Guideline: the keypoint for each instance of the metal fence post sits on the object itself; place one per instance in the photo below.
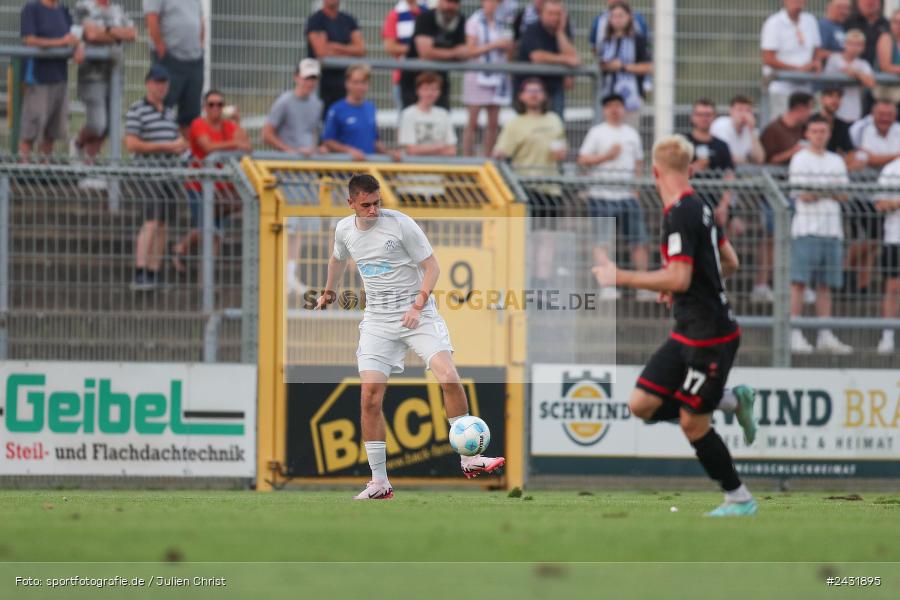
(4, 267)
(15, 102)
(116, 136)
(781, 283)
(249, 270)
(208, 265)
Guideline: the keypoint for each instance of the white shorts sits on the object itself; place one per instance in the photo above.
(383, 346)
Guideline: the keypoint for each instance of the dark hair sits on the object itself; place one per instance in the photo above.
(630, 31)
(428, 77)
(816, 119)
(799, 99)
(882, 100)
(704, 102)
(212, 92)
(740, 99)
(835, 89)
(612, 98)
(519, 106)
(362, 183)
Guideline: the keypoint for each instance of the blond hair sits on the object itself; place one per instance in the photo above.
(673, 153)
(360, 67)
(855, 35)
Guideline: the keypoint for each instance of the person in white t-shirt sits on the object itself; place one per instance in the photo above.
(849, 63)
(399, 271)
(888, 203)
(790, 41)
(613, 151)
(817, 233)
(425, 129)
(738, 130)
(879, 136)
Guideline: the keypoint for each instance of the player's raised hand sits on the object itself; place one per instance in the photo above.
(665, 298)
(605, 270)
(411, 317)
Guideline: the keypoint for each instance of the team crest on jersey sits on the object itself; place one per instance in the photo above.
(390, 245)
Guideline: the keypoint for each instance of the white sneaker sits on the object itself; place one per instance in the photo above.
(646, 296)
(828, 342)
(610, 293)
(809, 296)
(377, 489)
(92, 184)
(762, 294)
(886, 345)
(76, 154)
(799, 345)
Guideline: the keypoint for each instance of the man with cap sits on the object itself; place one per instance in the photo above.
(153, 137)
(293, 122)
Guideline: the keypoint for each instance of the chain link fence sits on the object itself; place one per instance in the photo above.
(68, 271)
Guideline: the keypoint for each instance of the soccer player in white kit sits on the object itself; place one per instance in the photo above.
(399, 272)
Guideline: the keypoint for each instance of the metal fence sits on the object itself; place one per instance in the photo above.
(759, 225)
(67, 263)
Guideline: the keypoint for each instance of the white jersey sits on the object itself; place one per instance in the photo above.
(387, 256)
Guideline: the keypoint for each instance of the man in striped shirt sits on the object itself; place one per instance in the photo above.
(152, 136)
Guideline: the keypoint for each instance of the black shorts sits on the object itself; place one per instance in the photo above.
(890, 260)
(865, 222)
(692, 375)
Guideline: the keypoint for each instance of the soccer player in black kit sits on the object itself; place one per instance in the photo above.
(685, 378)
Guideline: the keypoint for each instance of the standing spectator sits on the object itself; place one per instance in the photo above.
(546, 42)
(831, 26)
(425, 129)
(848, 62)
(888, 52)
(816, 234)
(104, 24)
(293, 122)
(782, 138)
(45, 105)
(712, 158)
(613, 150)
(599, 26)
(625, 61)
(869, 18)
(790, 42)
(488, 42)
(397, 33)
(152, 135)
(330, 32)
(210, 133)
(350, 125)
(888, 203)
(738, 130)
(176, 32)
(440, 34)
(879, 137)
(839, 142)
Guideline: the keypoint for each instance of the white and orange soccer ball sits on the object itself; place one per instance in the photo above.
(469, 436)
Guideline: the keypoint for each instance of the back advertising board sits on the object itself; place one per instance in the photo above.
(92, 418)
(812, 422)
(324, 437)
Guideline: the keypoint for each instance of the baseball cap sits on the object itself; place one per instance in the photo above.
(157, 73)
(309, 67)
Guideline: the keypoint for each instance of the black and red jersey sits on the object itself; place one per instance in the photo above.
(690, 234)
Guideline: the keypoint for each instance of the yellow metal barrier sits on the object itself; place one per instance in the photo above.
(478, 234)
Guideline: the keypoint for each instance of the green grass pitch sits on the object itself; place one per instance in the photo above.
(566, 544)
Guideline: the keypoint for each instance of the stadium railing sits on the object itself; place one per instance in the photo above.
(17, 56)
(67, 264)
(817, 81)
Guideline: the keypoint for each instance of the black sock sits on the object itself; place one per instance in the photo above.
(716, 460)
(668, 411)
(138, 270)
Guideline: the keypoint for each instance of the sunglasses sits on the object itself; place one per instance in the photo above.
(215, 104)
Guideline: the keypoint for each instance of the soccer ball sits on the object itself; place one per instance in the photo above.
(469, 436)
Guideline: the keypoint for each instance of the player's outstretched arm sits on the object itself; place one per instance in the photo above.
(729, 259)
(676, 277)
(336, 270)
(431, 272)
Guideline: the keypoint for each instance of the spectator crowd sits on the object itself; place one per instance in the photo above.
(817, 134)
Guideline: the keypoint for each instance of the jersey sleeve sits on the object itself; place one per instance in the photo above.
(681, 235)
(340, 246)
(414, 240)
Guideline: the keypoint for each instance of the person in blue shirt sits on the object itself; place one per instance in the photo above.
(350, 126)
(45, 105)
(831, 26)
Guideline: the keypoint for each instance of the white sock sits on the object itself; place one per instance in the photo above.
(453, 420)
(729, 402)
(377, 453)
(742, 494)
(888, 334)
